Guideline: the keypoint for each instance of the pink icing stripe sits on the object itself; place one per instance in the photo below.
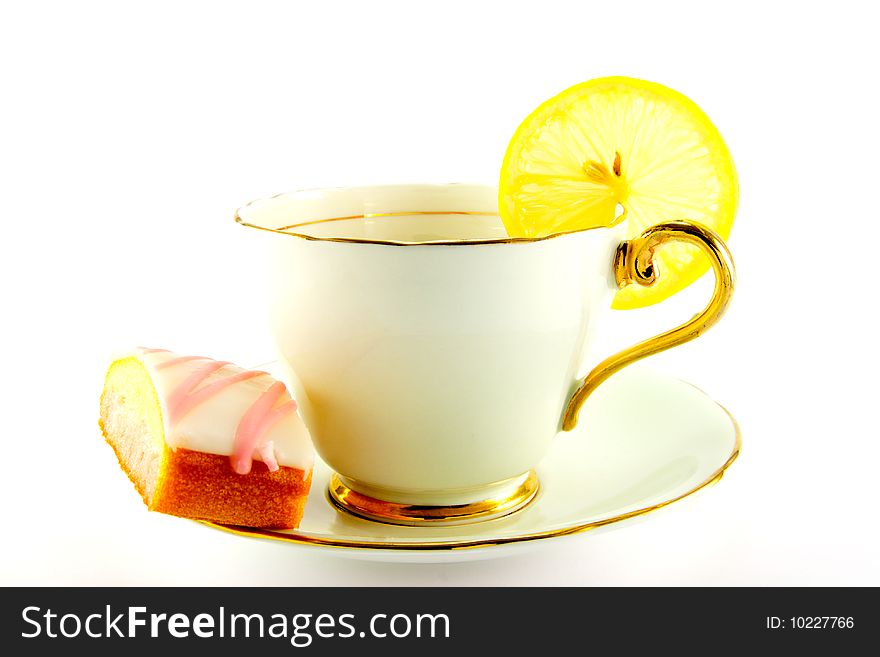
(171, 362)
(254, 426)
(267, 454)
(179, 401)
(267, 449)
(186, 397)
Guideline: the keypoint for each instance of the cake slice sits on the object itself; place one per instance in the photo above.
(208, 440)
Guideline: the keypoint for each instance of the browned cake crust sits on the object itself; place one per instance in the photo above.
(204, 486)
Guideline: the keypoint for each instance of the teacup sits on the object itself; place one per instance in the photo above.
(433, 357)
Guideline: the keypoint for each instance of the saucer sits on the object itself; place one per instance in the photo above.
(644, 441)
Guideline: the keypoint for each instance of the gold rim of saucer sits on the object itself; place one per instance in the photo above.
(470, 544)
(296, 537)
(348, 500)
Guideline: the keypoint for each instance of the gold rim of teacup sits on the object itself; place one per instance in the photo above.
(290, 229)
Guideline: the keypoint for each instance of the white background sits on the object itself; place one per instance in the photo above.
(130, 132)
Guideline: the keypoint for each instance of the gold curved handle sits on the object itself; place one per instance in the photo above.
(634, 263)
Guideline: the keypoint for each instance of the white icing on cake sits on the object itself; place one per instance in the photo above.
(211, 425)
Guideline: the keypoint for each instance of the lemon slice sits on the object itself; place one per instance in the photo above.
(614, 142)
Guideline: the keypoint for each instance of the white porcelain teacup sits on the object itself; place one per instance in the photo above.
(434, 358)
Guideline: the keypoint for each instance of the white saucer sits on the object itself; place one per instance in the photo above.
(644, 440)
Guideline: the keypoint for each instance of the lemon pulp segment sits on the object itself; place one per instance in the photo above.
(620, 142)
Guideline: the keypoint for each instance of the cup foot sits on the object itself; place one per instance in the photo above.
(499, 500)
